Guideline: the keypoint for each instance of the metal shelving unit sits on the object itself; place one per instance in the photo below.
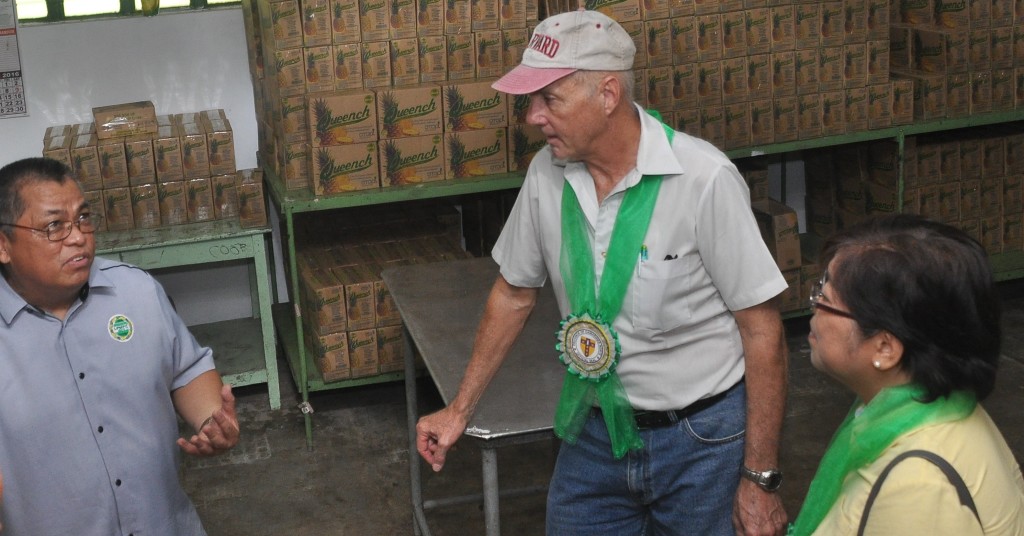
(289, 203)
(245, 349)
(288, 317)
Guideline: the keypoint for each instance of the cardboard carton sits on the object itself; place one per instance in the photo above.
(405, 61)
(485, 15)
(373, 20)
(118, 120)
(58, 148)
(390, 348)
(622, 11)
(783, 27)
(809, 116)
(759, 77)
(411, 160)
(805, 69)
(778, 224)
(360, 308)
(323, 298)
(830, 69)
(992, 234)
(786, 119)
(712, 125)
(473, 106)
(340, 118)
(461, 59)
(293, 166)
(117, 207)
(734, 34)
(331, 355)
(376, 64)
(344, 168)
(345, 23)
(758, 28)
(138, 153)
(85, 162)
(1012, 232)
(762, 124)
(145, 206)
(113, 165)
(289, 69)
(252, 203)
(199, 199)
(348, 68)
(488, 53)
(433, 58)
(458, 18)
(171, 197)
(970, 199)
(709, 83)
(362, 353)
(991, 193)
(856, 109)
(475, 153)
(658, 43)
(709, 37)
(225, 196)
(879, 106)
(1012, 201)
(807, 20)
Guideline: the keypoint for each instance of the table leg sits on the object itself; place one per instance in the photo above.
(419, 519)
(492, 522)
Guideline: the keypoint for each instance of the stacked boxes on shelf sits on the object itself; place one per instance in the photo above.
(972, 178)
(351, 326)
(140, 170)
(358, 94)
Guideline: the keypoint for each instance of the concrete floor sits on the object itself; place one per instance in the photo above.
(354, 481)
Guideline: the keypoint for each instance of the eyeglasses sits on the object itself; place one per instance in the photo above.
(817, 293)
(59, 230)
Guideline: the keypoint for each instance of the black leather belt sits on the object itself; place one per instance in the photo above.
(647, 419)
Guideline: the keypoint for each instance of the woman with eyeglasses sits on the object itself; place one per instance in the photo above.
(907, 316)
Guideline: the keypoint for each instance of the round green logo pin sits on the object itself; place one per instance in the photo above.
(120, 328)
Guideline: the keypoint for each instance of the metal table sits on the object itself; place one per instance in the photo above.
(441, 306)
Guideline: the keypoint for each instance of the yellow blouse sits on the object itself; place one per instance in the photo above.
(916, 498)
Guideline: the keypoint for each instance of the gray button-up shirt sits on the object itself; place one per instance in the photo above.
(87, 426)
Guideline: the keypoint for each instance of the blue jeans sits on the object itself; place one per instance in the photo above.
(683, 481)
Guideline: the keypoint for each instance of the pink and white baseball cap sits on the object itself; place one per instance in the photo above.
(565, 43)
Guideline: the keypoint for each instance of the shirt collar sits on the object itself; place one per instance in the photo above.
(11, 303)
(654, 157)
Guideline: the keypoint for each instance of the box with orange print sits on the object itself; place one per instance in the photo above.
(475, 153)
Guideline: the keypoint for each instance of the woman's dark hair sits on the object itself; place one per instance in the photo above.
(931, 286)
(16, 174)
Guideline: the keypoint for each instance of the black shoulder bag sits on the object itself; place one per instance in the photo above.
(940, 462)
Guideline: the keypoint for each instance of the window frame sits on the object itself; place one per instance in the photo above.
(55, 11)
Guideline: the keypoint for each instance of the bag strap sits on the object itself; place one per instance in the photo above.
(951, 474)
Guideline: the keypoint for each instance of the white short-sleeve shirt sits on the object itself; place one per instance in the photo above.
(705, 258)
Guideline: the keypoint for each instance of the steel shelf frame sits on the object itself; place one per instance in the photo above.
(239, 361)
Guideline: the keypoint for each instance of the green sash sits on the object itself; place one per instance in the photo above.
(588, 345)
(861, 439)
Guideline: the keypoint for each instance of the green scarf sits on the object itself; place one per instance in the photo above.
(861, 439)
(592, 315)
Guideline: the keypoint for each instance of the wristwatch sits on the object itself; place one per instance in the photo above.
(769, 480)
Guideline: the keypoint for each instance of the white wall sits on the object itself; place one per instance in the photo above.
(183, 62)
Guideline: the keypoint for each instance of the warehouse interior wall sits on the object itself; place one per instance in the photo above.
(183, 62)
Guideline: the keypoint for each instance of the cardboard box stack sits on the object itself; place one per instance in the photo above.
(141, 170)
(357, 94)
(351, 326)
(971, 178)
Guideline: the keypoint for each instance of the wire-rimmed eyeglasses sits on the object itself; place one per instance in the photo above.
(817, 293)
(59, 230)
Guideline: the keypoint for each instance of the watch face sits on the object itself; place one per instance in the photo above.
(772, 480)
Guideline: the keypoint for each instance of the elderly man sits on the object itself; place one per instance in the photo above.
(673, 344)
(94, 366)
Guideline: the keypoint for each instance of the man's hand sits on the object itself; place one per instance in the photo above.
(436, 433)
(757, 512)
(218, 433)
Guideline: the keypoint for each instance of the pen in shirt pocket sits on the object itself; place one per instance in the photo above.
(643, 253)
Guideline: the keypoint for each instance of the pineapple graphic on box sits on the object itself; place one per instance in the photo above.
(396, 16)
(312, 76)
(450, 14)
(459, 117)
(215, 156)
(327, 132)
(394, 125)
(338, 22)
(423, 17)
(652, 42)
(133, 164)
(106, 171)
(398, 172)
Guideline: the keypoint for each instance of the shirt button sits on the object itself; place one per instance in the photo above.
(81, 375)
(117, 482)
(604, 254)
(100, 429)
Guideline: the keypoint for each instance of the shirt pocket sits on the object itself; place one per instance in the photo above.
(660, 295)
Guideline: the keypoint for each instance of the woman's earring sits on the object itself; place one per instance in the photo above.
(878, 365)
